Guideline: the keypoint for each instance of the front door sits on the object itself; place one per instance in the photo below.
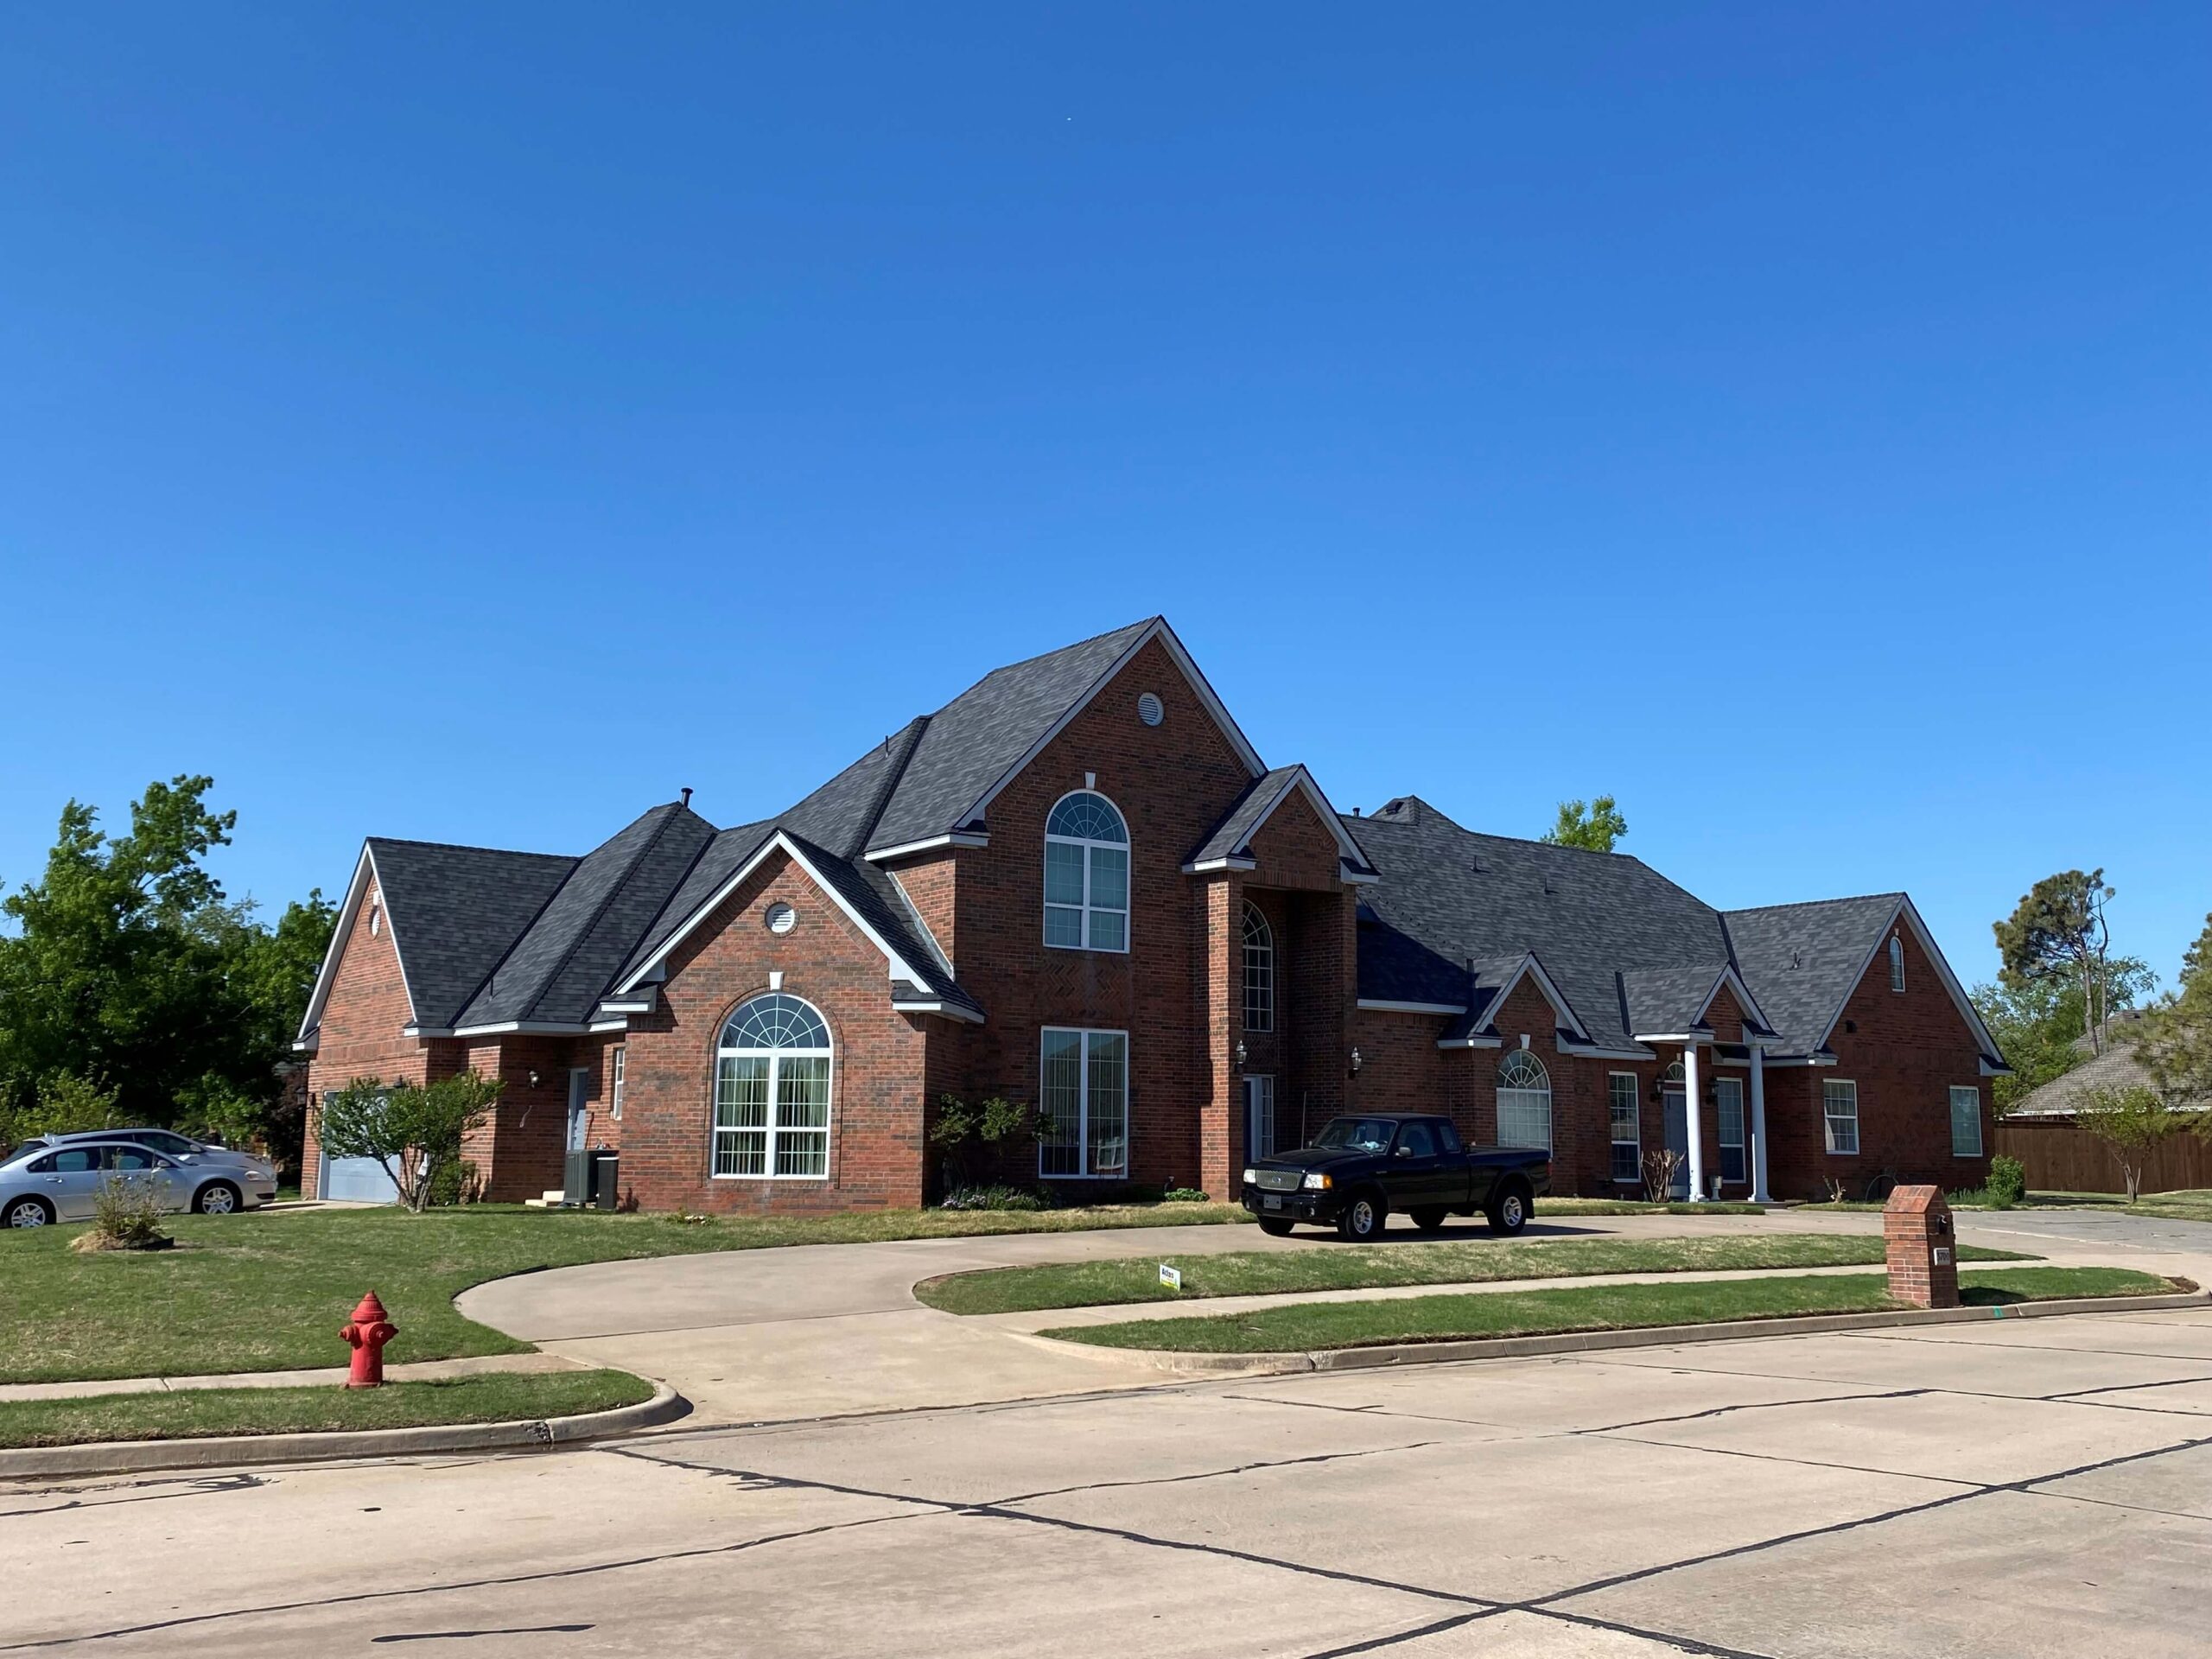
(1259, 1117)
(1678, 1137)
(579, 1107)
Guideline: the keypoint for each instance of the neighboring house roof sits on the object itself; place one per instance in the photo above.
(2120, 1066)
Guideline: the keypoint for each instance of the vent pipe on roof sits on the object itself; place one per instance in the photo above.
(687, 794)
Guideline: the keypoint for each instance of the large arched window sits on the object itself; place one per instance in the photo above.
(771, 1091)
(1259, 970)
(1086, 874)
(1524, 1101)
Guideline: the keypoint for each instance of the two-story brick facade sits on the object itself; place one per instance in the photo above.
(1078, 886)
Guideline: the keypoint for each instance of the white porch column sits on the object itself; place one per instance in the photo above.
(1693, 1106)
(1758, 1126)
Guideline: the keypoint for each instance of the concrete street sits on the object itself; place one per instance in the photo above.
(2002, 1488)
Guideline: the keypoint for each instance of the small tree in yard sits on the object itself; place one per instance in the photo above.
(414, 1129)
(2132, 1122)
(1662, 1168)
(964, 1131)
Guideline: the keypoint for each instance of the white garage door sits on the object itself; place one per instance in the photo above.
(362, 1181)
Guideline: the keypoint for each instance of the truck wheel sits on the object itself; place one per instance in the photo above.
(1508, 1211)
(1362, 1221)
(1429, 1217)
(1275, 1227)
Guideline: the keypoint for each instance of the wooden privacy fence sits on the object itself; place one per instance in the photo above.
(2061, 1158)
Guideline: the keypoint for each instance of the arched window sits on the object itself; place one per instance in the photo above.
(771, 1091)
(1086, 874)
(1524, 1101)
(1897, 962)
(1259, 970)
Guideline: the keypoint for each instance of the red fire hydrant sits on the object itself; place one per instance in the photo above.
(367, 1332)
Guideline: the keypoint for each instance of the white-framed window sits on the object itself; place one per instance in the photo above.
(1728, 1104)
(1259, 970)
(771, 1092)
(1897, 962)
(1086, 874)
(1621, 1103)
(1966, 1121)
(615, 1056)
(1083, 1097)
(1840, 1108)
(1524, 1101)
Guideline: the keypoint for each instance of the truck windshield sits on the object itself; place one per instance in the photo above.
(1361, 1134)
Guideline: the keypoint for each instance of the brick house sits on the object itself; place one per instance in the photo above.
(1079, 885)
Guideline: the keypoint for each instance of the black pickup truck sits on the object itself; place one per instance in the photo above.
(1359, 1169)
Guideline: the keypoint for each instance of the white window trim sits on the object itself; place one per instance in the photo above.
(617, 1064)
(1635, 1097)
(1083, 1103)
(1897, 964)
(1127, 849)
(1827, 1134)
(1980, 1144)
(1551, 1121)
(1742, 1128)
(1267, 945)
(774, 1057)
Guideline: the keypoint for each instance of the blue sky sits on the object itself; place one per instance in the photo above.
(475, 424)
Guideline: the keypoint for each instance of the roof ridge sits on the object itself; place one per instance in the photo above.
(909, 740)
(1072, 645)
(1808, 904)
(614, 888)
(521, 933)
(466, 847)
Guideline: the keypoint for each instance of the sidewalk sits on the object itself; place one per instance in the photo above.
(325, 1377)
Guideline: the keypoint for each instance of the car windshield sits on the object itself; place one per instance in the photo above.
(1358, 1133)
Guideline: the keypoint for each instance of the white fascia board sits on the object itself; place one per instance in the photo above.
(1211, 866)
(922, 922)
(900, 969)
(1470, 1042)
(598, 1026)
(1992, 1068)
(302, 1046)
(1553, 994)
(1610, 1054)
(1744, 1001)
(1687, 1039)
(1385, 1005)
(626, 1005)
(937, 1006)
(1773, 1062)
(515, 1028)
(1157, 630)
(956, 838)
(364, 872)
(1358, 878)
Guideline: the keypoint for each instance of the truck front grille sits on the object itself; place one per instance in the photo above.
(1278, 1180)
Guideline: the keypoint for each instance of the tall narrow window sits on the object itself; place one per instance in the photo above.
(1840, 1108)
(1628, 1132)
(1259, 970)
(1728, 1096)
(614, 1059)
(1084, 1100)
(771, 1092)
(1897, 962)
(1966, 1121)
(1524, 1101)
(1086, 875)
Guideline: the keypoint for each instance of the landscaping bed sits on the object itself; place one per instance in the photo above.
(267, 1292)
(1260, 1273)
(1308, 1326)
(198, 1414)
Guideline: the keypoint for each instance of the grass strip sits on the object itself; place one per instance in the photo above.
(196, 1414)
(1311, 1325)
(267, 1292)
(1478, 1261)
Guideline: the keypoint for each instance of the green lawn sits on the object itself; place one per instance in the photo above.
(195, 1413)
(1260, 1272)
(267, 1292)
(1312, 1326)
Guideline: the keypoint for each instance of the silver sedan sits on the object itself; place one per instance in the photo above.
(43, 1185)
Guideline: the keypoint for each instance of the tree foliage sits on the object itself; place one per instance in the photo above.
(2038, 1022)
(965, 1132)
(2174, 1038)
(127, 974)
(1594, 826)
(2058, 931)
(2132, 1122)
(414, 1130)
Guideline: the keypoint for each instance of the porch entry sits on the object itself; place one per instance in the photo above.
(1675, 1101)
(1259, 1117)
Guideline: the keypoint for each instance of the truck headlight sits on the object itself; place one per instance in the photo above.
(1251, 1178)
(1316, 1180)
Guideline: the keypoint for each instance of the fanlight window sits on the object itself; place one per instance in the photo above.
(1259, 971)
(1524, 1101)
(771, 1091)
(1086, 875)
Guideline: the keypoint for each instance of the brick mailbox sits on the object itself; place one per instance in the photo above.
(1924, 1256)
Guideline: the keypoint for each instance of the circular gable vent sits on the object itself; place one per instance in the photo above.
(781, 919)
(1150, 709)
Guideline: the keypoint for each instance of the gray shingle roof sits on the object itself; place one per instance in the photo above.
(1668, 998)
(1802, 961)
(1245, 818)
(455, 911)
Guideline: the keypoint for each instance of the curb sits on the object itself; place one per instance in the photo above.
(552, 1433)
(1383, 1356)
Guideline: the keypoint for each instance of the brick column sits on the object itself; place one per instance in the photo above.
(1221, 964)
(1923, 1255)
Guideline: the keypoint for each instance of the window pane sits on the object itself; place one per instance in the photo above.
(1063, 873)
(1110, 1103)
(1109, 878)
(1966, 1123)
(1524, 1117)
(1622, 1110)
(1109, 931)
(741, 1115)
(1839, 1104)
(1063, 927)
(1060, 1104)
(1730, 1093)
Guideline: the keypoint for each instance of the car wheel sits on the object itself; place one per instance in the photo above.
(1362, 1221)
(1427, 1219)
(1275, 1227)
(29, 1212)
(1508, 1211)
(216, 1198)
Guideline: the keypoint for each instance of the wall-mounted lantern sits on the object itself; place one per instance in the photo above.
(1354, 1061)
(1240, 1055)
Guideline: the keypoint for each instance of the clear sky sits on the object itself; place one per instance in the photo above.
(474, 423)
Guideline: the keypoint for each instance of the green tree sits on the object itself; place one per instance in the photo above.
(2133, 1122)
(2057, 932)
(2174, 1038)
(2038, 1022)
(414, 1130)
(1594, 826)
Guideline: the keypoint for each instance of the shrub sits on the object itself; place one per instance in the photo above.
(126, 1216)
(965, 1134)
(2008, 1182)
(1184, 1195)
(991, 1198)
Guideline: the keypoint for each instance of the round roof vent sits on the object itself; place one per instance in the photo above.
(1150, 709)
(781, 918)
